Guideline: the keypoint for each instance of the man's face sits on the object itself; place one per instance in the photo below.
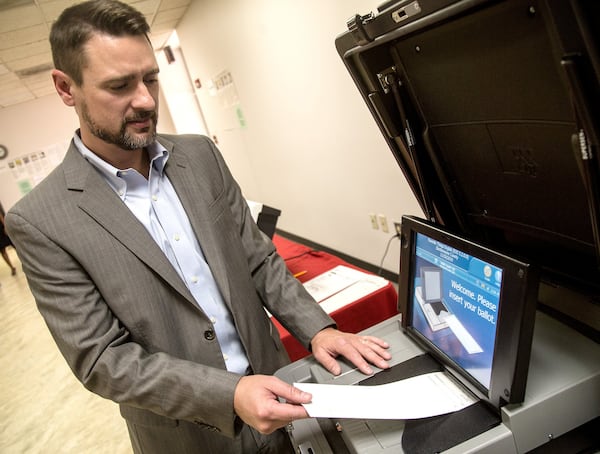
(117, 102)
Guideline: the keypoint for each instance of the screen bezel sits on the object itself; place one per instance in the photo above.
(516, 314)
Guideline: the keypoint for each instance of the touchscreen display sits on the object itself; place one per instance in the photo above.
(455, 304)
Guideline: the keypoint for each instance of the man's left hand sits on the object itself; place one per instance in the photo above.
(330, 343)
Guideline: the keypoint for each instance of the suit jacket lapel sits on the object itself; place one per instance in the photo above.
(101, 203)
(197, 207)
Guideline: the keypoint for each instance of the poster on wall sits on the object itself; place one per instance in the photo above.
(27, 170)
(222, 87)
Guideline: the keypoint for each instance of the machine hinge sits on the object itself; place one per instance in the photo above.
(356, 26)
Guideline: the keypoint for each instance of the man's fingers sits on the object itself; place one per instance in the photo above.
(256, 402)
(328, 362)
(375, 341)
(375, 351)
(347, 350)
(295, 395)
(359, 350)
(358, 353)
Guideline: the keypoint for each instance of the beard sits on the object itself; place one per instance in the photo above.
(122, 138)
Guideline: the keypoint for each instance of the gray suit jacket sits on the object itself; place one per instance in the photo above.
(120, 314)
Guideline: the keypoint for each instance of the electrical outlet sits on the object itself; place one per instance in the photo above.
(374, 223)
(398, 227)
(383, 223)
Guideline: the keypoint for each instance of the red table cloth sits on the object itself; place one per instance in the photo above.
(354, 317)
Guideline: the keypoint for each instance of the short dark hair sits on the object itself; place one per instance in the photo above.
(77, 24)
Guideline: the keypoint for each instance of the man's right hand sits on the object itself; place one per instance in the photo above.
(256, 402)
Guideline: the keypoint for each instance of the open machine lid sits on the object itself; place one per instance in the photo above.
(491, 110)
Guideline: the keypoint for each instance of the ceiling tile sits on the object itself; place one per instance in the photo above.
(170, 4)
(52, 9)
(20, 17)
(33, 62)
(169, 15)
(165, 26)
(7, 79)
(146, 7)
(25, 50)
(159, 38)
(24, 47)
(40, 85)
(16, 97)
(23, 36)
(14, 92)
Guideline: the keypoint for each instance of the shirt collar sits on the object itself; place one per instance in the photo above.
(156, 152)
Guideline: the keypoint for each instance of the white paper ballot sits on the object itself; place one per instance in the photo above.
(365, 286)
(416, 397)
(332, 281)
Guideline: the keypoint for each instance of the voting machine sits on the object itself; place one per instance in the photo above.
(492, 110)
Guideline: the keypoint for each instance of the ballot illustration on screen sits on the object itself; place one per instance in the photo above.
(455, 304)
(429, 297)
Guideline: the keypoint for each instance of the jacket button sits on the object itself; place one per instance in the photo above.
(209, 334)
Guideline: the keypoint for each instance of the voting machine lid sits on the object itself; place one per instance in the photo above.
(491, 109)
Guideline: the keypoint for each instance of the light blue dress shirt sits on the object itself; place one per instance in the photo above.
(156, 205)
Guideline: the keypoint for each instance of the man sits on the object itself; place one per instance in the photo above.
(147, 267)
(5, 242)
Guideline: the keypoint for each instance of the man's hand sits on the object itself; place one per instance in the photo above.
(330, 343)
(255, 401)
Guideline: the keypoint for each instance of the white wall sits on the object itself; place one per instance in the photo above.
(309, 145)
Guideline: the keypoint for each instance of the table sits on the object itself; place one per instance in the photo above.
(307, 263)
